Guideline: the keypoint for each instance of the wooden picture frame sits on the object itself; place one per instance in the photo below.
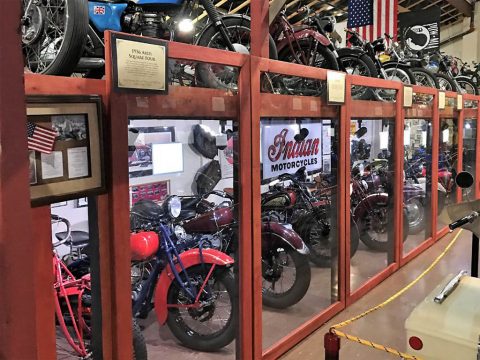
(75, 167)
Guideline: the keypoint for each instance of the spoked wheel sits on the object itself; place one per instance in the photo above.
(211, 326)
(416, 215)
(425, 78)
(373, 228)
(466, 85)
(399, 74)
(446, 83)
(53, 35)
(286, 277)
(221, 76)
(306, 52)
(363, 66)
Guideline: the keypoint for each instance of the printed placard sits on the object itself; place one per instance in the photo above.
(407, 96)
(441, 100)
(139, 64)
(459, 102)
(336, 87)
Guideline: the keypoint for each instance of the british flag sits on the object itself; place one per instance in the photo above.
(99, 10)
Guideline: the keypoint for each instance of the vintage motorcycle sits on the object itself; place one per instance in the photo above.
(193, 289)
(289, 200)
(285, 269)
(73, 302)
(60, 37)
(371, 212)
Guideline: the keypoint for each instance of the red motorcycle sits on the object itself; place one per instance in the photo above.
(285, 267)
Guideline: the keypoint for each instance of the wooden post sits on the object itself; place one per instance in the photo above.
(259, 34)
(23, 275)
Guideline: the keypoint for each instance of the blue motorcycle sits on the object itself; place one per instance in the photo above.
(61, 37)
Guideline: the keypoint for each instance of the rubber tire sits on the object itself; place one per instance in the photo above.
(299, 288)
(304, 228)
(464, 79)
(328, 55)
(380, 245)
(139, 345)
(413, 230)
(202, 343)
(404, 68)
(203, 71)
(426, 73)
(368, 62)
(74, 41)
(449, 80)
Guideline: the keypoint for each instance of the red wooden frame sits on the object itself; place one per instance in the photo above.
(31, 332)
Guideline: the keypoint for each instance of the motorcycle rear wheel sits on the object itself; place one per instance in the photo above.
(53, 40)
(445, 82)
(301, 278)
(416, 216)
(467, 85)
(226, 77)
(425, 78)
(180, 320)
(359, 65)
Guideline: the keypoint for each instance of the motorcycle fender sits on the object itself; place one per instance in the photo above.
(441, 188)
(369, 201)
(350, 52)
(305, 34)
(211, 24)
(274, 233)
(189, 259)
(391, 64)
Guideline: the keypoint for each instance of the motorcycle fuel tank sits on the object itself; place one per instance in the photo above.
(143, 245)
(210, 222)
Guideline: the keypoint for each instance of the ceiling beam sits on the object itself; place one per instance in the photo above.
(463, 6)
(433, 4)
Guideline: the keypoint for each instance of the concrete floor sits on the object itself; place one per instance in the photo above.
(386, 325)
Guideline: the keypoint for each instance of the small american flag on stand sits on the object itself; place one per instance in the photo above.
(40, 138)
(373, 18)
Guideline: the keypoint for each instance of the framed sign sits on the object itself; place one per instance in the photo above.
(459, 102)
(74, 166)
(336, 90)
(155, 191)
(139, 64)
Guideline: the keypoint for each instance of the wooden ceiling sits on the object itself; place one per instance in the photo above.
(453, 11)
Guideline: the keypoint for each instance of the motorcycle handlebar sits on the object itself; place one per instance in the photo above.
(58, 219)
(464, 220)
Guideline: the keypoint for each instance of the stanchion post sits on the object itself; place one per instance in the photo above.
(331, 344)
(475, 250)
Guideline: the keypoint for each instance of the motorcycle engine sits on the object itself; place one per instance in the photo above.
(211, 241)
(138, 272)
(147, 24)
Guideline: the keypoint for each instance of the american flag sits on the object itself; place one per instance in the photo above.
(40, 139)
(373, 18)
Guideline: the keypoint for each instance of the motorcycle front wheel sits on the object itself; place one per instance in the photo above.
(221, 76)
(467, 85)
(445, 83)
(54, 35)
(416, 216)
(398, 73)
(425, 78)
(211, 326)
(286, 277)
(373, 231)
(358, 65)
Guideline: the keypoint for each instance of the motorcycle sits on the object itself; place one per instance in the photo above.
(73, 303)
(308, 213)
(354, 61)
(303, 45)
(370, 212)
(389, 70)
(60, 37)
(193, 290)
(285, 269)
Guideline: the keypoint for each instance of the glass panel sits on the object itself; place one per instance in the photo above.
(77, 336)
(417, 187)
(447, 168)
(195, 161)
(371, 204)
(469, 153)
(299, 203)
(274, 83)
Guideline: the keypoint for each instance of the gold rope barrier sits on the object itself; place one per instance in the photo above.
(334, 329)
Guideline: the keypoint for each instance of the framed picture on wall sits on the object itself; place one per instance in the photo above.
(59, 204)
(155, 191)
(81, 202)
(73, 163)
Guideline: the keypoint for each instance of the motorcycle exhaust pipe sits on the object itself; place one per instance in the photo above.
(87, 63)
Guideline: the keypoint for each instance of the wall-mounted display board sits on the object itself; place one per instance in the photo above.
(65, 153)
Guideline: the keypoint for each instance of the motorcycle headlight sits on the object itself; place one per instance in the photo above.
(180, 232)
(173, 206)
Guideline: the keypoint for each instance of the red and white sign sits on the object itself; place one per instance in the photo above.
(281, 153)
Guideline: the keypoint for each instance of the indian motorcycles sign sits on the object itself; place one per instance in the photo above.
(287, 148)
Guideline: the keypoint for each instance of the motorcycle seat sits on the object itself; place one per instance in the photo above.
(300, 27)
(78, 238)
(187, 214)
